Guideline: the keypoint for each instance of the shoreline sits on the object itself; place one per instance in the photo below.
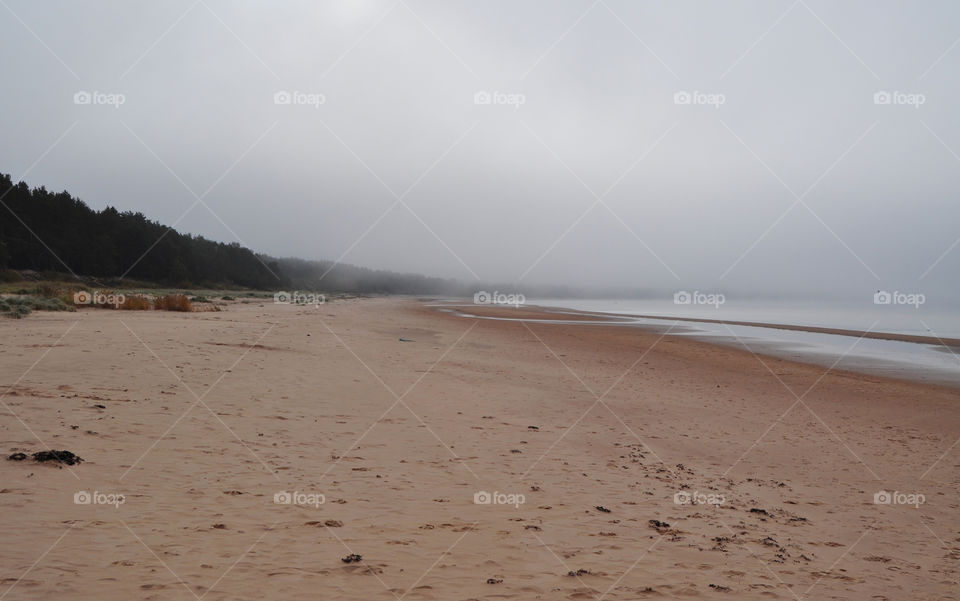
(953, 343)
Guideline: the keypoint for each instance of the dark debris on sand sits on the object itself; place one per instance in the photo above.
(57, 456)
(65, 457)
(661, 527)
(353, 557)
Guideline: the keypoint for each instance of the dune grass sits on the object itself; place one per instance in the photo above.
(51, 293)
(134, 302)
(172, 302)
(19, 306)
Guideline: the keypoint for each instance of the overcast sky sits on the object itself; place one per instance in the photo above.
(713, 145)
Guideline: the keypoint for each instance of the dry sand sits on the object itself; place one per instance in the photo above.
(206, 417)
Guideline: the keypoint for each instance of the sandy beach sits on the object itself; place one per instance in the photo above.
(245, 454)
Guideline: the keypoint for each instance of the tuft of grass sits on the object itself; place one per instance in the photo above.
(135, 302)
(51, 304)
(13, 310)
(20, 306)
(172, 302)
(48, 290)
(57, 290)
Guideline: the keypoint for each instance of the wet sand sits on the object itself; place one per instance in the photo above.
(203, 421)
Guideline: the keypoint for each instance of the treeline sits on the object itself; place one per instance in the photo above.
(47, 228)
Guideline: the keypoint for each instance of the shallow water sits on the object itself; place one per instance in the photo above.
(912, 360)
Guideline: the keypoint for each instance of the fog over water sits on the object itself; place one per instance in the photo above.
(803, 150)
